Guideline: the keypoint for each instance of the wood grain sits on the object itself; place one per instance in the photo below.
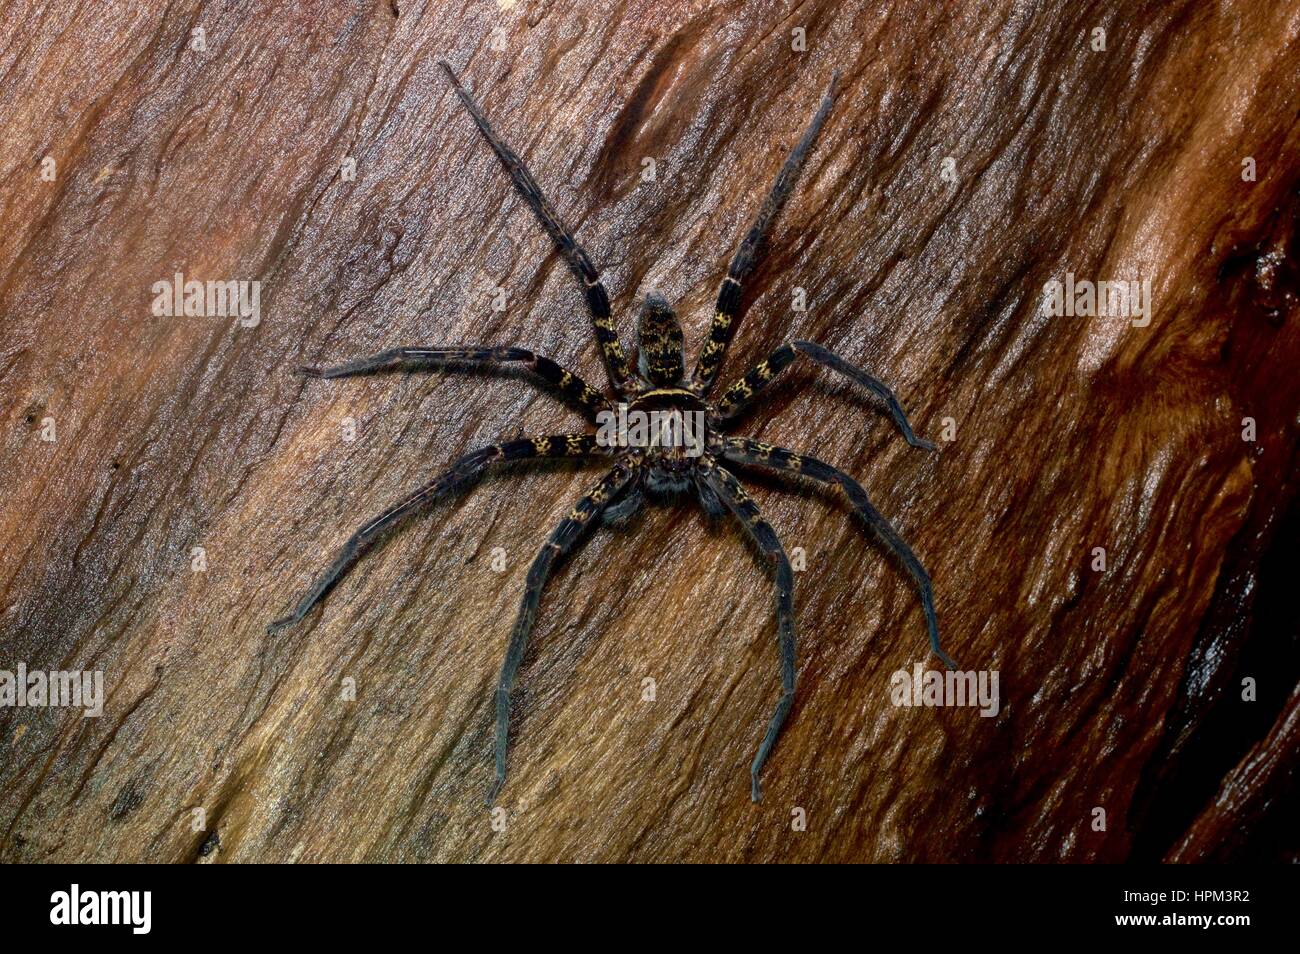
(1070, 433)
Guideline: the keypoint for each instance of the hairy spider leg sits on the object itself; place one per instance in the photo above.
(739, 395)
(465, 470)
(727, 313)
(623, 509)
(744, 451)
(616, 364)
(568, 385)
(561, 541)
(728, 489)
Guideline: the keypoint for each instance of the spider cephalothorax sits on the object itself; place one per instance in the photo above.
(660, 430)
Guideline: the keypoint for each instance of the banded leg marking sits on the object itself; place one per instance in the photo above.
(727, 313)
(567, 384)
(593, 289)
(733, 496)
(464, 471)
(561, 541)
(745, 451)
(738, 396)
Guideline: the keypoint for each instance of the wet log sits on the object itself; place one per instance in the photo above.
(1108, 493)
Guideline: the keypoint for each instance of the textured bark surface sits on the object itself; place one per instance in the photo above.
(1070, 433)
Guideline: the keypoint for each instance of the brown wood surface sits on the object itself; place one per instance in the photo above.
(1071, 433)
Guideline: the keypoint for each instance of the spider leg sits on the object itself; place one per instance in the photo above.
(713, 507)
(744, 451)
(728, 312)
(567, 384)
(728, 489)
(465, 470)
(738, 396)
(561, 541)
(575, 255)
(623, 509)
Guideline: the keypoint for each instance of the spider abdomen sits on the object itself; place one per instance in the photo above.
(659, 335)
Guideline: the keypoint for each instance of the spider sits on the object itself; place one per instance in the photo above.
(650, 469)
